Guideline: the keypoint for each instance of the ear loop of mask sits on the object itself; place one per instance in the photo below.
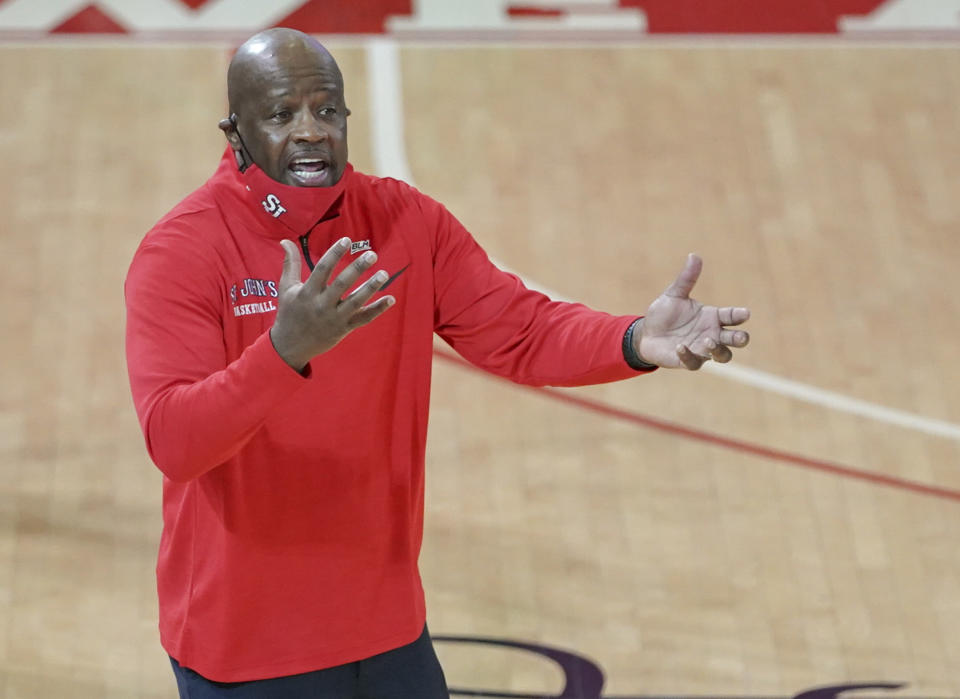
(243, 152)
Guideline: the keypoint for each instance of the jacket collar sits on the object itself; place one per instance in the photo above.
(279, 210)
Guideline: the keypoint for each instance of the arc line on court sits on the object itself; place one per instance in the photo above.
(390, 159)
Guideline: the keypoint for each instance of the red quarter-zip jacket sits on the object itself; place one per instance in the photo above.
(293, 504)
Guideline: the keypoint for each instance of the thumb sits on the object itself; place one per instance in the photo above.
(683, 284)
(291, 265)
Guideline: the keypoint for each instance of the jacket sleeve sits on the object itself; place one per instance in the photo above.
(196, 409)
(491, 319)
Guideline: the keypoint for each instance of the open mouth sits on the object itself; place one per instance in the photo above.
(309, 170)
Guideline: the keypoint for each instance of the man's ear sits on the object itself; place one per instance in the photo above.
(229, 128)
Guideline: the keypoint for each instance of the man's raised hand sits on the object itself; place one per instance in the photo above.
(314, 315)
(678, 331)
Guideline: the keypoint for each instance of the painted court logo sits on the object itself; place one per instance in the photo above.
(583, 679)
(254, 289)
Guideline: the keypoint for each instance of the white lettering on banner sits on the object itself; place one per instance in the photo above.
(151, 15)
(487, 15)
(901, 15)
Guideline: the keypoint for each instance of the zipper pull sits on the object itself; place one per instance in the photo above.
(305, 246)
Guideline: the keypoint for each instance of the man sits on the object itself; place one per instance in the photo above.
(284, 394)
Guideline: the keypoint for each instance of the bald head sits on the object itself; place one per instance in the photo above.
(270, 52)
(287, 109)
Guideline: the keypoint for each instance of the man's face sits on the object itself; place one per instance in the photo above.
(293, 121)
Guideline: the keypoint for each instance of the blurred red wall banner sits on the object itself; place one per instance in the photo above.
(482, 18)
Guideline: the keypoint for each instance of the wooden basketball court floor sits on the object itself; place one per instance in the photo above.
(819, 182)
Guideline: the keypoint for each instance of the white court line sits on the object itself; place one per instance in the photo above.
(390, 160)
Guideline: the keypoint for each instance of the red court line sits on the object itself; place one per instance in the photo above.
(725, 442)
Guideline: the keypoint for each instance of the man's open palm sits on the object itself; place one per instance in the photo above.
(679, 331)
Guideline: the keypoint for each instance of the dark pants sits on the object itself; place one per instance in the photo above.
(408, 672)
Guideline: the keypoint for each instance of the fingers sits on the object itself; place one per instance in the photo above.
(719, 352)
(688, 359)
(733, 316)
(362, 294)
(704, 350)
(350, 274)
(734, 338)
(350, 308)
(369, 313)
(317, 282)
(291, 265)
(683, 284)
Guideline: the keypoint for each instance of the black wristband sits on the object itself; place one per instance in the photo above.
(630, 354)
